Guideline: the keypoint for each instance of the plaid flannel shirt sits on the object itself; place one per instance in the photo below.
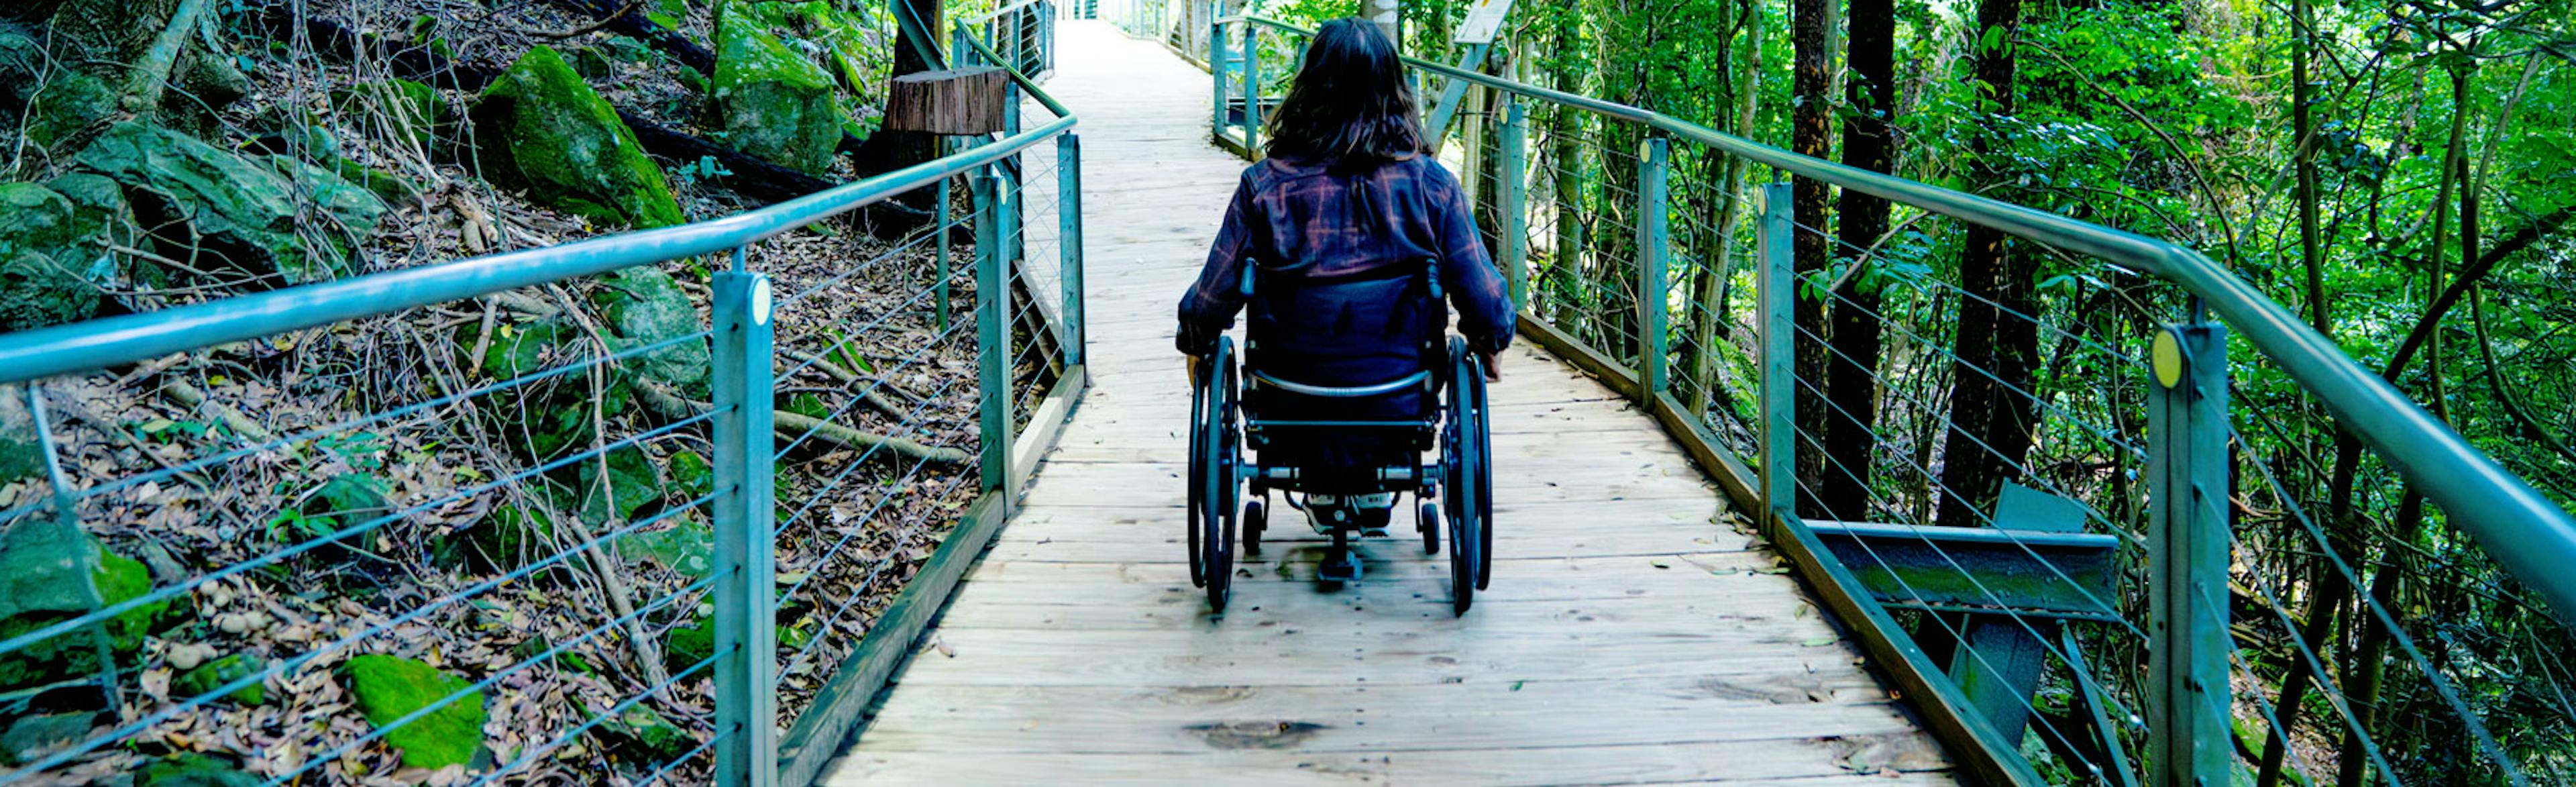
(1298, 216)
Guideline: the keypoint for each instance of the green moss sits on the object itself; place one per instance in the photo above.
(238, 210)
(646, 307)
(43, 262)
(194, 770)
(632, 482)
(213, 675)
(540, 127)
(388, 688)
(772, 100)
(58, 573)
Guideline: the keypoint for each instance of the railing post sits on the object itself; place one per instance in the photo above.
(1775, 295)
(1216, 70)
(993, 337)
(1068, 209)
(746, 593)
(1653, 254)
(1251, 92)
(2188, 711)
(1515, 143)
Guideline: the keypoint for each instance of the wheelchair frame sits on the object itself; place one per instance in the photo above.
(1460, 478)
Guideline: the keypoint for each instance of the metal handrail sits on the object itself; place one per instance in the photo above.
(998, 12)
(2526, 532)
(100, 343)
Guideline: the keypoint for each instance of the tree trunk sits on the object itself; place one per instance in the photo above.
(1810, 130)
(1991, 343)
(1746, 87)
(2303, 94)
(2333, 588)
(1851, 422)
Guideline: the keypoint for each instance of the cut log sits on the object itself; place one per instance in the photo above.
(958, 101)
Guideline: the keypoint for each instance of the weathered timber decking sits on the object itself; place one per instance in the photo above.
(1629, 636)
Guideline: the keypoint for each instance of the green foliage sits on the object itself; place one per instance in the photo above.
(389, 688)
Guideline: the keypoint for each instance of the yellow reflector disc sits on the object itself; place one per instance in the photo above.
(2168, 358)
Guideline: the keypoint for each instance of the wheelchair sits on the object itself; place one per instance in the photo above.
(1255, 402)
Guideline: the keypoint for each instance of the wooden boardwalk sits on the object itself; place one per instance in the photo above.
(1630, 635)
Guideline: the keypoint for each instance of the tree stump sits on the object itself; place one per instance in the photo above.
(958, 101)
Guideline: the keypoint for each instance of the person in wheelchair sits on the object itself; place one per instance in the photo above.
(1342, 243)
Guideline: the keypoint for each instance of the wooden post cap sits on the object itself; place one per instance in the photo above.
(958, 101)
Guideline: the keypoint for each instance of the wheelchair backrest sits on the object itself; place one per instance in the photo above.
(1390, 319)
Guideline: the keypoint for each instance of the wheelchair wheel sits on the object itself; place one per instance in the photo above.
(1220, 438)
(1462, 563)
(1427, 519)
(1255, 519)
(1197, 472)
(1463, 486)
(1479, 460)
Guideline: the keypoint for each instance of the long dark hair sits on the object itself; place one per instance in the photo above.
(1350, 107)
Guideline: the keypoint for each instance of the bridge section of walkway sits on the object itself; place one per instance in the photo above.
(1632, 633)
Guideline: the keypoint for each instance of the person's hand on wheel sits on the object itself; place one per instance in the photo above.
(1190, 363)
(1493, 366)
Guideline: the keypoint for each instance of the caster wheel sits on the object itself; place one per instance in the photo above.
(1256, 518)
(1427, 517)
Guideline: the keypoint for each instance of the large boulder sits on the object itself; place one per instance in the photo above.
(45, 265)
(388, 688)
(771, 99)
(232, 208)
(540, 127)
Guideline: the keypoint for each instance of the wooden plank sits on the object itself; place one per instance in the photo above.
(1325, 657)
(1785, 762)
(1456, 719)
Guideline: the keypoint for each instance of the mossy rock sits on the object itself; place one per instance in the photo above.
(646, 732)
(691, 476)
(58, 573)
(539, 126)
(630, 483)
(686, 548)
(646, 307)
(194, 770)
(393, 189)
(853, 42)
(557, 411)
(215, 674)
(512, 533)
(410, 112)
(388, 688)
(35, 735)
(22, 456)
(44, 267)
(355, 209)
(772, 100)
(684, 646)
(233, 208)
(350, 499)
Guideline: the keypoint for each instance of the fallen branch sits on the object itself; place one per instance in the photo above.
(795, 424)
(851, 380)
(189, 397)
(792, 425)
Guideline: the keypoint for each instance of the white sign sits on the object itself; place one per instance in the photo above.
(1484, 22)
